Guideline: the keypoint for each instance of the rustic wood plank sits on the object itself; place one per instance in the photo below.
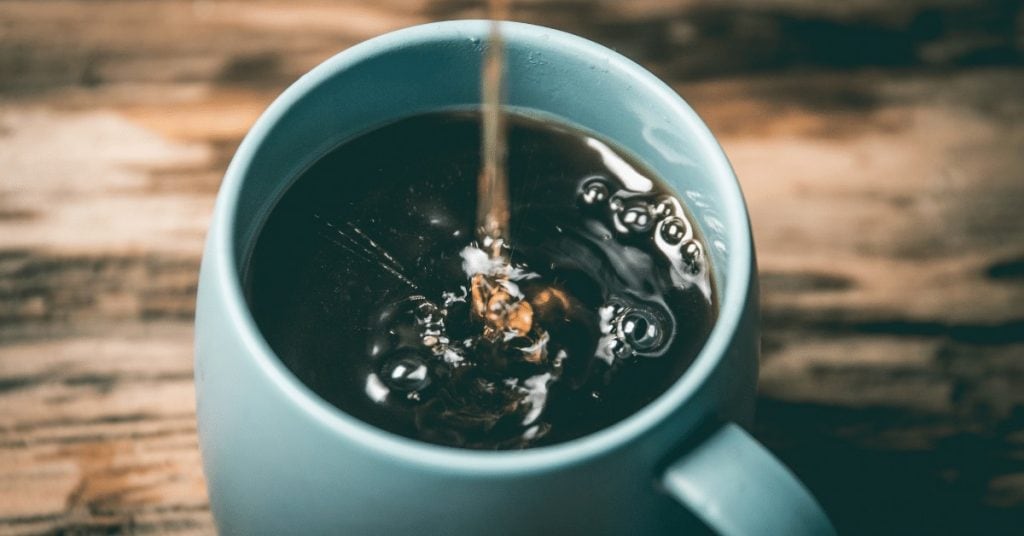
(103, 436)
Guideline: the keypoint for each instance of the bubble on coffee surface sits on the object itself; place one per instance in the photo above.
(673, 230)
(641, 330)
(634, 219)
(633, 329)
(405, 370)
(666, 207)
(594, 190)
(660, 218)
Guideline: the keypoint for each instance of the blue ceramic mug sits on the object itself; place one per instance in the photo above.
(279, 460)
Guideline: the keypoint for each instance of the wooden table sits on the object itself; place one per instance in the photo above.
(881, 150)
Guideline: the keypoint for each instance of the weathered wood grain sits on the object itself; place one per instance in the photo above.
(99, 434)
(880, 150)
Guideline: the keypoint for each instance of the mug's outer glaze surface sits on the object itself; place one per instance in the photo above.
(280, 460)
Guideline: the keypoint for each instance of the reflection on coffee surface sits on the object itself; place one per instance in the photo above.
(368, 281)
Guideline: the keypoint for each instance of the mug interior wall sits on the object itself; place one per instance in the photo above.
(579, 85)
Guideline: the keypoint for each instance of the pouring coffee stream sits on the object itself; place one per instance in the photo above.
(492, 191)
(506, 313)
(491, 300)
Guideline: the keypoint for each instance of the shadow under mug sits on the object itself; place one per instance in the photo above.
(278, 459)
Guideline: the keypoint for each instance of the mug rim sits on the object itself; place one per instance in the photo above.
(731, 304)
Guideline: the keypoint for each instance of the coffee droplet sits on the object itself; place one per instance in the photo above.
(674, 230)
(641, 330)
(405, 371)
(594, 191)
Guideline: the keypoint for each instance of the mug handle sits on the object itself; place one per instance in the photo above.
(736, 487)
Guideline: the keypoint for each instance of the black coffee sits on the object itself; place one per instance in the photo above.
(367, 283)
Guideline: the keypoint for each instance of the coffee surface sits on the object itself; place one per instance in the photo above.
(367, 283)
